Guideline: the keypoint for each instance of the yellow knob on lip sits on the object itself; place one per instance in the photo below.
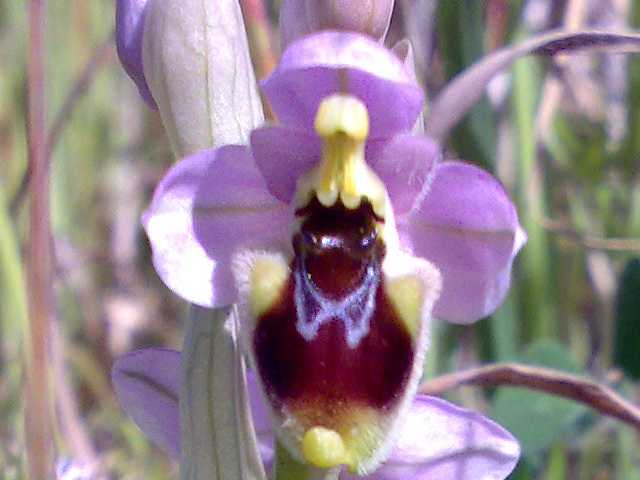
(324, 448)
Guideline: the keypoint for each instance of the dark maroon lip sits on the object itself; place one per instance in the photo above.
(334, 337)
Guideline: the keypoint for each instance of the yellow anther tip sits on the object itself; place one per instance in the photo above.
(324, 448)
(342, 114)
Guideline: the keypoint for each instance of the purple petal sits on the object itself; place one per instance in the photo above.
(147, 383)
(261, 421)
(404, 51)
(468, 228)
(282, 155)
(206, 208)
(329, 62)
(441, 441)
(406, 165)
(130, 15)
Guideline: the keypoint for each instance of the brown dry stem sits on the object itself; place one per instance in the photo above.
(588, 392)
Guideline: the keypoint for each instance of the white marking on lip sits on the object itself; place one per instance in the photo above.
(354, 310)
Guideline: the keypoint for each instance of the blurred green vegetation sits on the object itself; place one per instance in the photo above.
(577, 184)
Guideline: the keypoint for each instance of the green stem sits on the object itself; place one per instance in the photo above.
(535, 262)
(218, 438)
(288, 468)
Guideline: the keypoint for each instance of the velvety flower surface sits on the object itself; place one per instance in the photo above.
(334, 232)
(451, 213)
(438, 440)
(292, 310)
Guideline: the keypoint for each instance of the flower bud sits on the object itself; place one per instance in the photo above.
(197, 65)
(301, 17)
(130, 15)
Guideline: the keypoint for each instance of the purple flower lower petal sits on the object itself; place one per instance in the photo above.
(329, 62)
(206, 208)
(130, 15)
(261, 422)
(147, 383)
(468, 228)
(441, 441)
(405, 164)
(283, 155)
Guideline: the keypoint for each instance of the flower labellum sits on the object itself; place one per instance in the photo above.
(338, 333)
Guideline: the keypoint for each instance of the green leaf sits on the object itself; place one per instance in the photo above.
(631, 144)
(537, 295)
(288, 468)
(461, 40)
(538, 420)
(550, 354)
(627, 321)
(523, 471)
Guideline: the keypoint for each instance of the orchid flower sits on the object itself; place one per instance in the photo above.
(451, 213)
(337, 232)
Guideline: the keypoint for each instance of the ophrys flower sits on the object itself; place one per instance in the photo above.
(338, 244)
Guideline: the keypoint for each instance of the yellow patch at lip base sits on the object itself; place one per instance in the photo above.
(407, 296)
(348, 436)
(343, 123)
(324, 448)
(268, 277)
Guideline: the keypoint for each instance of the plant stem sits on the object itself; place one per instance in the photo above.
(286, 467)
(218, 438)
(37, 420)
(597, 396)
(102, 54)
